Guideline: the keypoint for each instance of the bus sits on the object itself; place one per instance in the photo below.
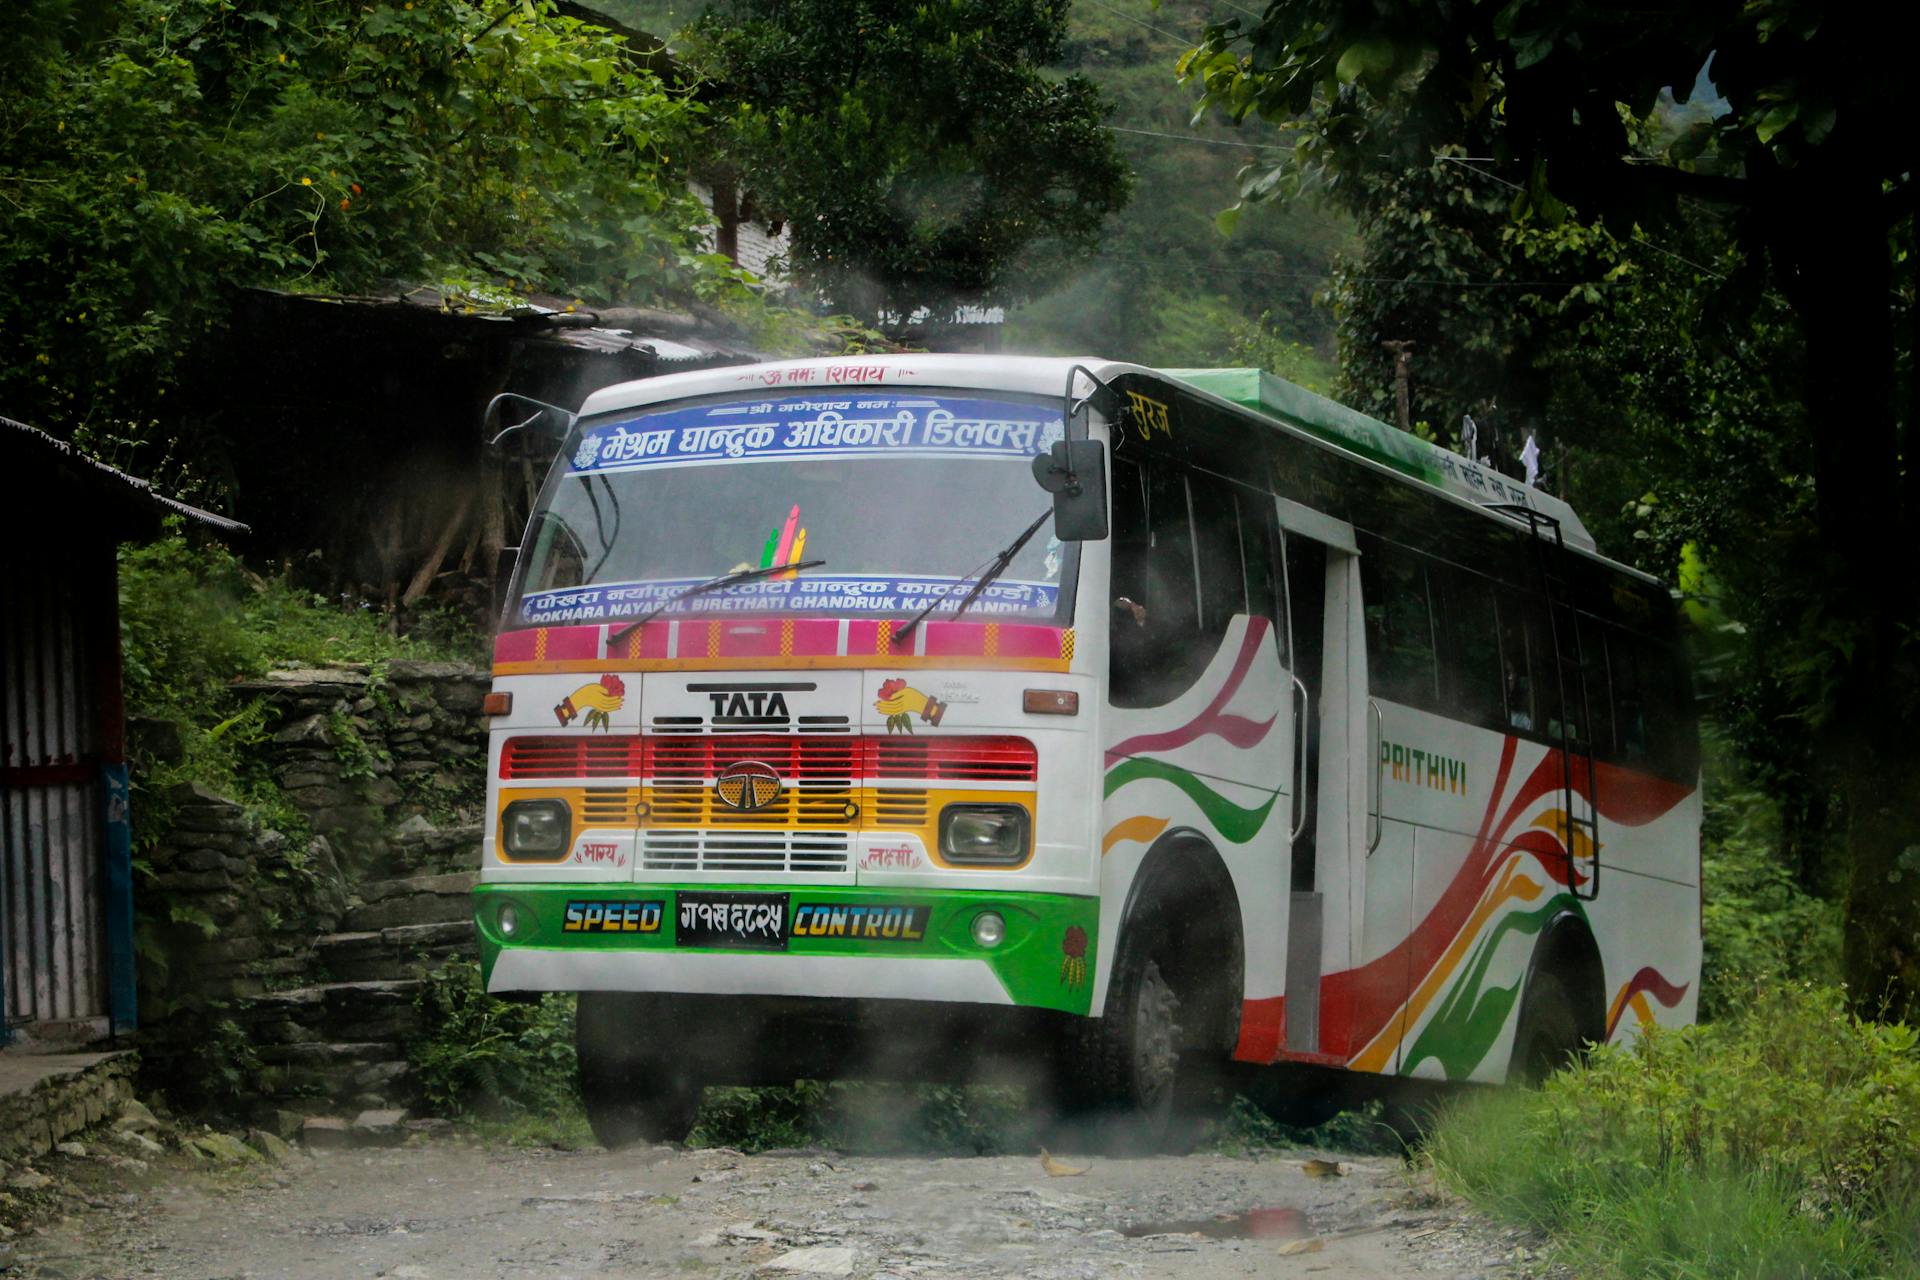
(872, 716)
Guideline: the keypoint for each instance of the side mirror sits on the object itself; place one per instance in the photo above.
(503, 567)
(1075, 473)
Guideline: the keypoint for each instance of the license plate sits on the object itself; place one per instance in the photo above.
(755, 921)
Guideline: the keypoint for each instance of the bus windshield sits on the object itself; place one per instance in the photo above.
(905, 496)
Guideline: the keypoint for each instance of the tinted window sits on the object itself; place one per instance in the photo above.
(1401, 661)
(1516, 662)
(1156, 630)
(1259, 553)
(1470, 669)
(1223, 570)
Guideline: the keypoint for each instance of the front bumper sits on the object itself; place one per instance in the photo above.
(1046, 960)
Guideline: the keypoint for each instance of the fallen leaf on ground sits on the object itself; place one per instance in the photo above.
(1055, 1169)
(1291, 1247)
(1323, 1168)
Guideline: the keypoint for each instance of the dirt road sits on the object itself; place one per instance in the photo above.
(453, 1210)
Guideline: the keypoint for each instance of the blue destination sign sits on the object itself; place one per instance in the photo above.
(808, 593)
(820, 426)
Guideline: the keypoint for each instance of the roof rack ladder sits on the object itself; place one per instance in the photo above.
(1572, 733)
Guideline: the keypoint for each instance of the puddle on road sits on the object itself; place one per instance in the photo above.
(1254, 1224)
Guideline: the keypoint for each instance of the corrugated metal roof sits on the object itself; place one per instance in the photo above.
(133, 489)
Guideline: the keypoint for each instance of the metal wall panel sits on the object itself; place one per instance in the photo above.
(52, 913)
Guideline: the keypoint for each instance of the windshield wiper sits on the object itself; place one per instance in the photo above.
(994, 569)
(712, 584)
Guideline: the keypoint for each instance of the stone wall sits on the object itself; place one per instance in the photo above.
(280, 974)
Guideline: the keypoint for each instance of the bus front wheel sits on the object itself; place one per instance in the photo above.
(634, 1088)
(1125, 1064)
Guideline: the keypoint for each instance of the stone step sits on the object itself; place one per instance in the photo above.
(360, 1082)
(439, 899)
(395, 952)
(342, 1012)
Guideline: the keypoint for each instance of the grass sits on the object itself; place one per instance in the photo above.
(1778, 1143)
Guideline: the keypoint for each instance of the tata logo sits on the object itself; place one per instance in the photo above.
(758, 704)
(747, 785)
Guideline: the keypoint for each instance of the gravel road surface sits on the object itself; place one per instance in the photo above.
(453, 1209)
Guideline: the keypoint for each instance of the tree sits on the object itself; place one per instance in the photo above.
(1784, 108)
(160, 151)
(916, 151)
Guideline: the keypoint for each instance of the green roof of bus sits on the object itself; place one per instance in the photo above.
(1371, 438)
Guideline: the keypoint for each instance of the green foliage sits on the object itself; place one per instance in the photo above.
(972, 1119)
(1258, 344)
(193, 619)
(493, 1059)
(1760, 929)
(1245, 1129)
(1778, 1143)
(160, 151)
(917, 154)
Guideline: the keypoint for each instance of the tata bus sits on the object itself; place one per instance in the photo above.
(869, 716)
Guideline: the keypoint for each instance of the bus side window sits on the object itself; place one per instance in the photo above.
(1217, 547)
(1155, 621)
(1470, 644)
(1629, 695)
(1516, 665)
(1401, 663)
(1260, 553)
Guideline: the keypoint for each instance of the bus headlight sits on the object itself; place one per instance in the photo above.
(537, 830)
(509, 919)
(984, 835)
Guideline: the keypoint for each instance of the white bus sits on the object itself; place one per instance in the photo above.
(867, 716)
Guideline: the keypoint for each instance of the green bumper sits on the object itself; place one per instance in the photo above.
(1046, 960)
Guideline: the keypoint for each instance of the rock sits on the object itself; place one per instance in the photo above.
(417, 825)
(77, 1150)
(286, 1124)
(433, 1125)
(379, 1128)
(819, 1260)
(223, 1148)
(269, 1145)
(315, 730)
(29, 1180)
(326, 1133)
(140, 1142)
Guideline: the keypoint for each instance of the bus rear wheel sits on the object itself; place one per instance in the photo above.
(1548, 1035)
(634, 1086)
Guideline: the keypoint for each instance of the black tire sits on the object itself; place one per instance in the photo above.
(1548, 1036)
(1121, 1070)
(636, 1090)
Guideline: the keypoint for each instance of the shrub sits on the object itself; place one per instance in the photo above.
(482, 1058)
(193, 619)
(1780, 1142)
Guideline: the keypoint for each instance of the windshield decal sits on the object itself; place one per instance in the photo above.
(821, 427)
(837, 593)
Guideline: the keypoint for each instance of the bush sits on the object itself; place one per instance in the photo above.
(193, 619)
(1759, 928)
(1777, 1143)
(887, 1118)
(482, 1058)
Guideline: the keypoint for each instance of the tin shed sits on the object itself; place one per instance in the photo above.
(66, 894)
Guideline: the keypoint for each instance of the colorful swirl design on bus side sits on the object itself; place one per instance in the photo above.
(1472, 1013)
(1234, 822)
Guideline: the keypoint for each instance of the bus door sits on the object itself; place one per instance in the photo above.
(1317, 554)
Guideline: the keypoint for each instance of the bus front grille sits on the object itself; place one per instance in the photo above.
(795, 852)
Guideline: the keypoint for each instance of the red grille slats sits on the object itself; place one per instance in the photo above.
(572, 757)
(803, 762)
(951, 759)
